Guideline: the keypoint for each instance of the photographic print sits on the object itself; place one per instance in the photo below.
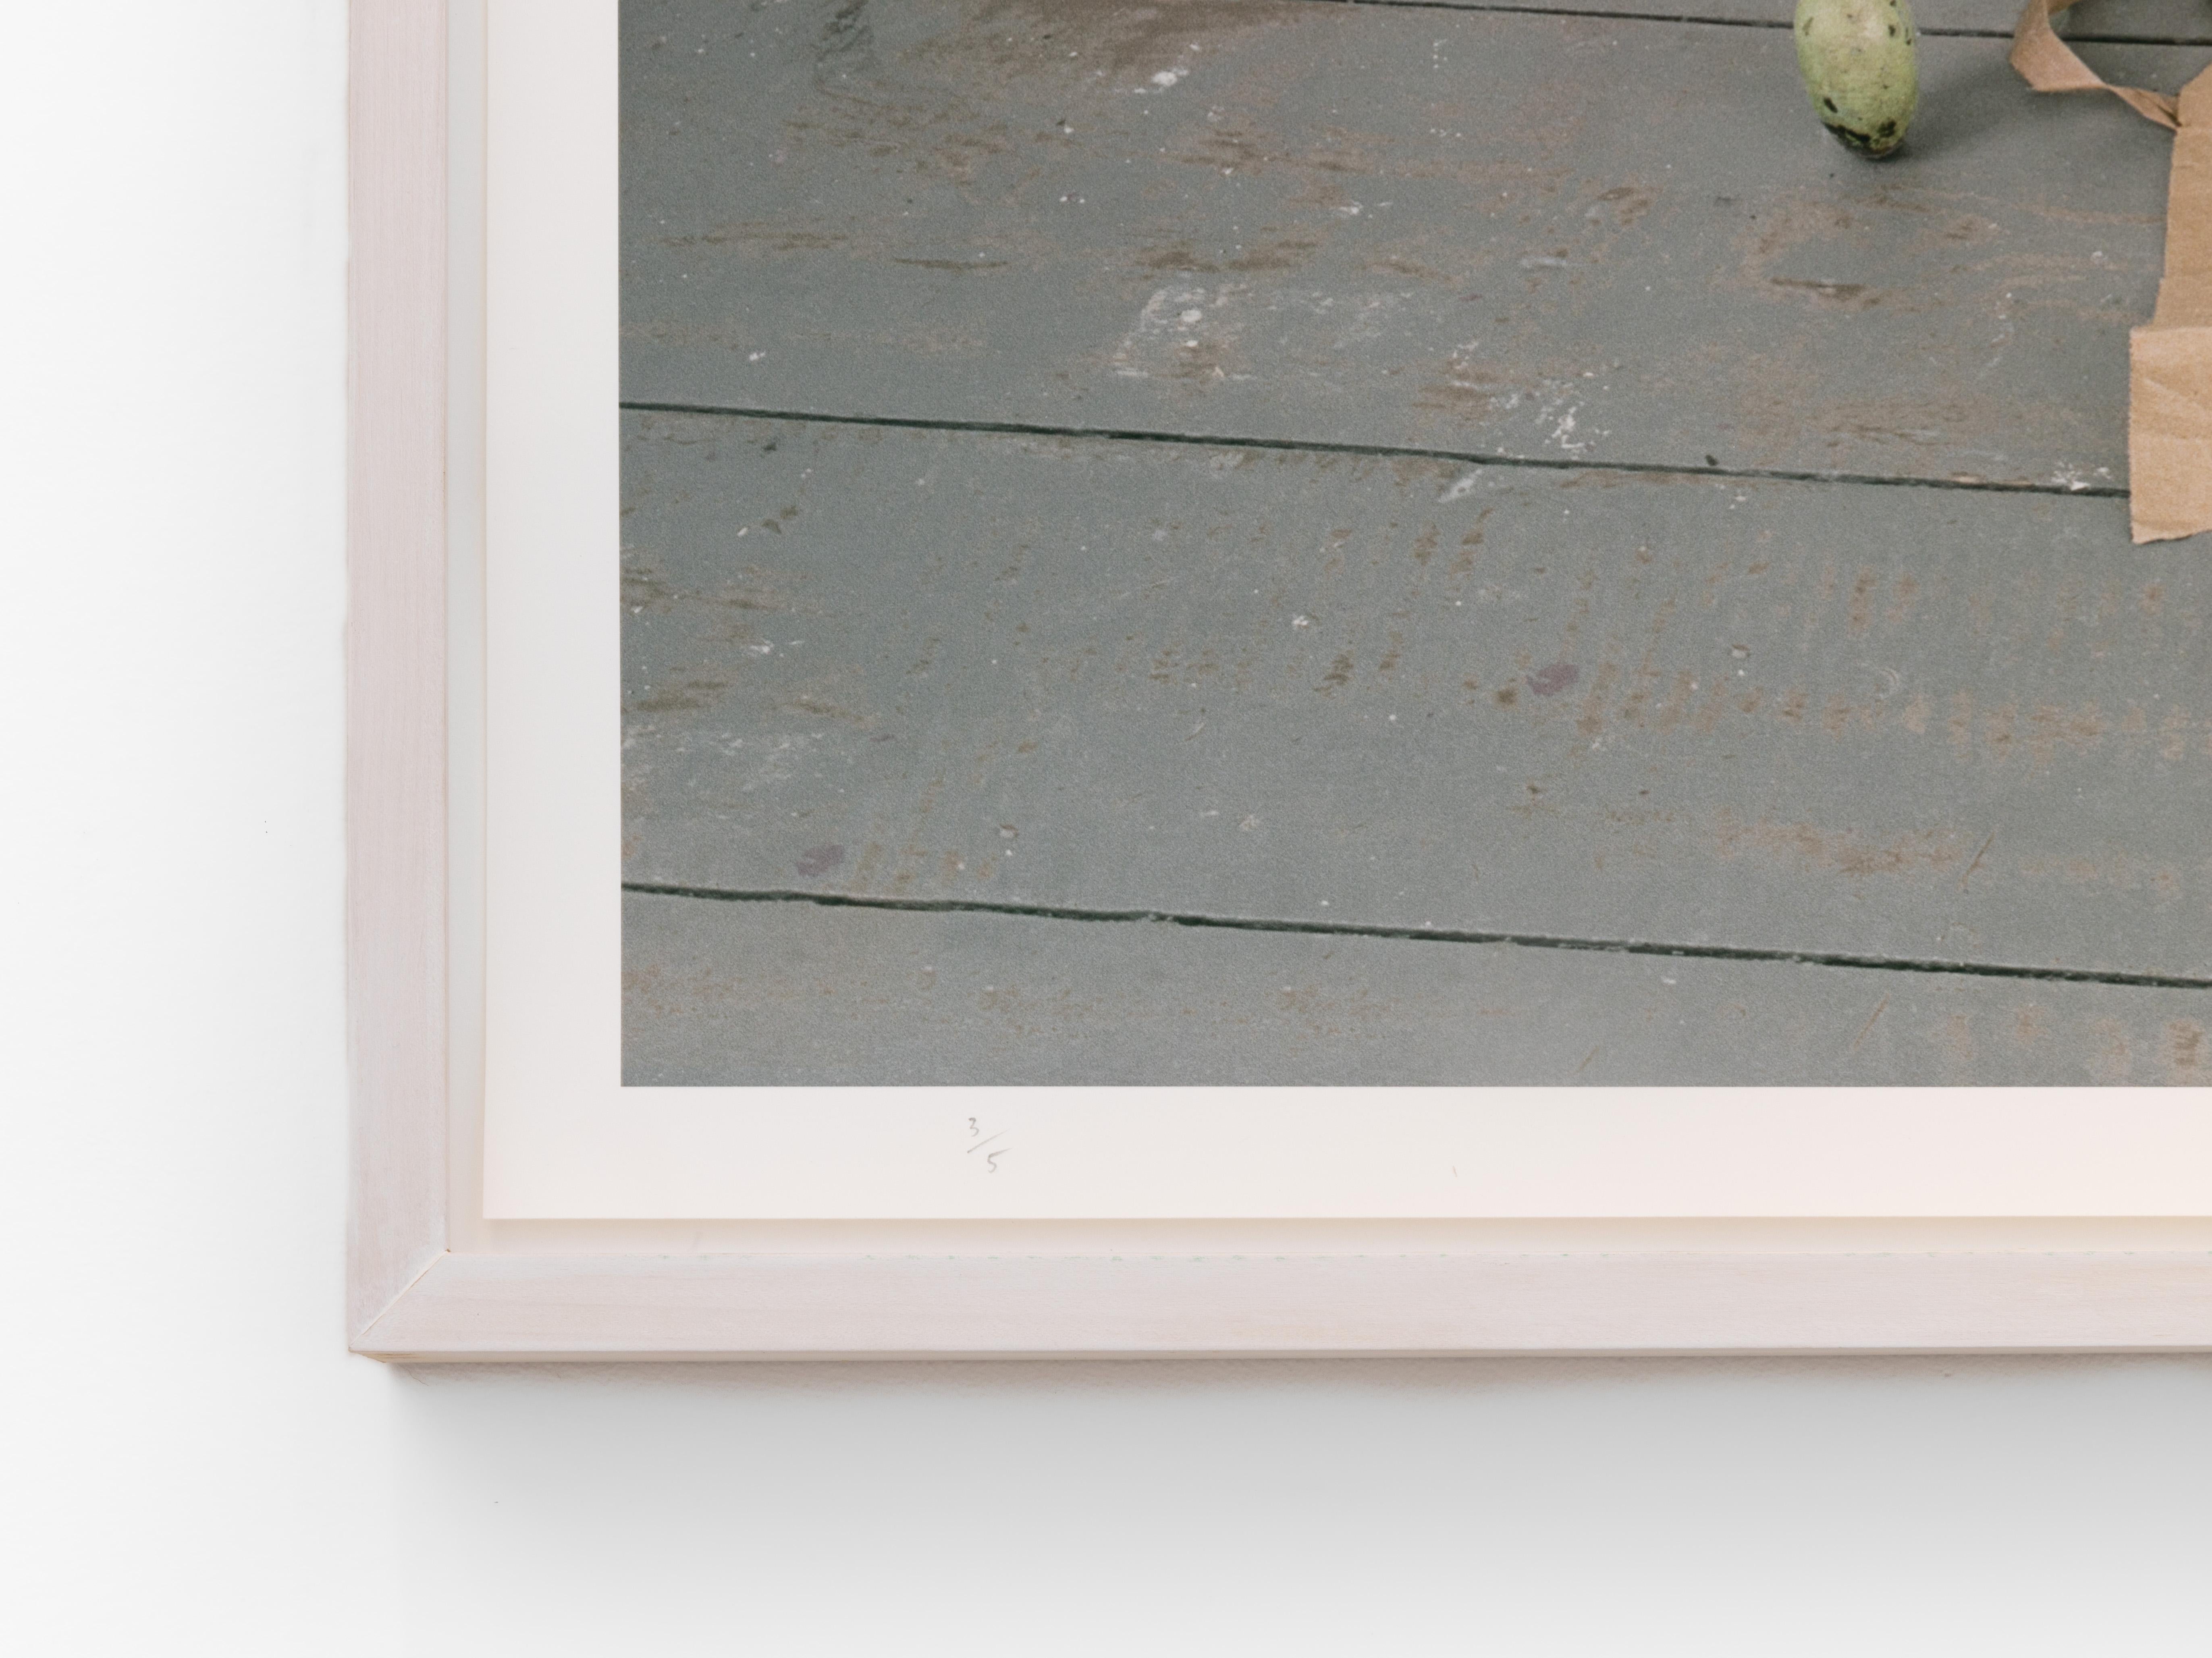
(1266, 541)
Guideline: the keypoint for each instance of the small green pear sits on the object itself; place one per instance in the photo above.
(1862, 67)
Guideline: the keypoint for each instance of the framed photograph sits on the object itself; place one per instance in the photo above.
(1038, 678)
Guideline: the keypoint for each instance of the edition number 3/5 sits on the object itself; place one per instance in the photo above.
(979, 1141)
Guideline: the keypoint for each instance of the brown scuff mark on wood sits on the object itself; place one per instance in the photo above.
(819, 698)
(2185, 1052)
(768, 236)
(1859, 615)
(645, 584)
(954, 264)
(1402, 264)
(1845, 852)
(1997, 733)
(693, 696)
(1590, 722)
(1628, 203)
(1126, 40)
(1777, 424)
(1960, 724)
(1956, 1037)
(1280, 252)
(1835, 296)
(2079, 729)
(2114, 1059)
(1474, 388)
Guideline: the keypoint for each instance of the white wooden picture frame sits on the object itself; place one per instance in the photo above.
(432, 1280)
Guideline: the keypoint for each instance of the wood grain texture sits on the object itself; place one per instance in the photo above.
(762, 1307)
(1910, 724)
(396, 650)
(792, 993)
(1551, 237)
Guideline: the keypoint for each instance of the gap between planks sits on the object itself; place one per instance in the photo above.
(1616, 15)
(1426, 935)
(1378, 451)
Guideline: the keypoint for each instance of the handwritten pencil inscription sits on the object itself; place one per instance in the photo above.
(978, 1140)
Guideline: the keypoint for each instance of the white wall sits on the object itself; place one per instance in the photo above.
(195, 1466)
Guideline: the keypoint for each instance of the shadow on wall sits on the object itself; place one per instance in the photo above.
(1534, 1506)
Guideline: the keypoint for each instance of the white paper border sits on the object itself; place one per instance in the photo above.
(564, 1139)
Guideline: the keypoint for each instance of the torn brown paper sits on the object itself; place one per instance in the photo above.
(2170, 357)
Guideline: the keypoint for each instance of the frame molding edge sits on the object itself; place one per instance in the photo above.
(396, 555)
(492, 1308)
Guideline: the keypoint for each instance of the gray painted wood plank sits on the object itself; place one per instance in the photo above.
(1481, 232)
(792, 993)
(1911, 724)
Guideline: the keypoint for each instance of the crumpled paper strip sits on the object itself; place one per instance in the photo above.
(2170, 357)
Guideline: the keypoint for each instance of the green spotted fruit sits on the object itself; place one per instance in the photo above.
(1860, 67)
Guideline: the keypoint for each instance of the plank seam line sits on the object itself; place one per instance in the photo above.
(1424, 934)
(1376, 450)
(1616, 15)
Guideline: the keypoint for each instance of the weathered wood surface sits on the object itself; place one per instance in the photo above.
(1556, 237)
(1904, 723)
(736, 993)
(1861, 722)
